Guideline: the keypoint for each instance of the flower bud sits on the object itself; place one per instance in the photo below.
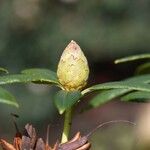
(73, 70)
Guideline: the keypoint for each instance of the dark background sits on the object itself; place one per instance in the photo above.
(33, 33)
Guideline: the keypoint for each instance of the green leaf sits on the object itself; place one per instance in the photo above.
(143, 69)
(41, 72)
(4, 70)
(132, 58)
(139, 78)
(106, 96)
(136, 96)
(115, 89)
(42, 76)
(129, 83)
(64, 99)
(7, 98)
(119, 85)
(139, 84)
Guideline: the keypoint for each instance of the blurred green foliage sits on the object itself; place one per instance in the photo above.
(34, 32)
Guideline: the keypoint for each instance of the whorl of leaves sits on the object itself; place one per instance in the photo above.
(135, 89)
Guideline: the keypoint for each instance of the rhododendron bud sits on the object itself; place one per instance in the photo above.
(73, 70)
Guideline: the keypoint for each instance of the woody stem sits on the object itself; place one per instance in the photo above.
(67, 125)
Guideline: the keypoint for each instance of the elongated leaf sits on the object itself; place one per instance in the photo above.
(129, 83)
(41, 72)
(139, 78)
(106, 96)
(64, 99)
(136, 96)
(3, 70)
(7, 98)
(119, 85)
(143, 69)
(132, 58)
(31, 75)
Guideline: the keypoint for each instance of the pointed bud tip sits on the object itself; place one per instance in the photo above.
(73, 46)
(72, 41)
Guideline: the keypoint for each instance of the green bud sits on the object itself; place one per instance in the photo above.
(73, 69)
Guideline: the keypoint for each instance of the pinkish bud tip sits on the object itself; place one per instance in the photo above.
(72, 46)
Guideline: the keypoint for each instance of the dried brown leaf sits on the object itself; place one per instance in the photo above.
(6, 146)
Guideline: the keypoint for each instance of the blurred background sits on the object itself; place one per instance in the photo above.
(33, 33)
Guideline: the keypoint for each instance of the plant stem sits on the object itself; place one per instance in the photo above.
(67, 125)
